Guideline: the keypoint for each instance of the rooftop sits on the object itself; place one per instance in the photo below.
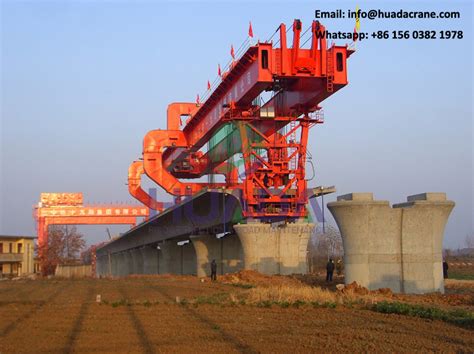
(16, 237)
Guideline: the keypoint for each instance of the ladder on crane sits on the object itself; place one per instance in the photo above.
(330, 71)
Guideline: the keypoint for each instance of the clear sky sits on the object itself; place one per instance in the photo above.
(82, 82)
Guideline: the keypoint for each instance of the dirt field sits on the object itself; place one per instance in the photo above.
(141, 314)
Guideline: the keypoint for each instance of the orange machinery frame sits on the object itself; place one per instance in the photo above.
(274, 185)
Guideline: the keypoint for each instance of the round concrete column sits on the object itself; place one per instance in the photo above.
(260, 246)
(424, 219)
(137, 261)
(188, 259)
(370, 233)
(128, 264)
(207, 248)
(122, 264)
(150, 260)
(169, 258)
(114, 265)
(275, 250)
(293, 246)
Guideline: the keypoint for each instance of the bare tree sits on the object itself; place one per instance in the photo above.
(323, 246)
(64, 246)
(469, 241)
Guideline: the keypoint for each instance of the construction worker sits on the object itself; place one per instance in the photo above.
(213, 270)
(445, 269)
(329, 270)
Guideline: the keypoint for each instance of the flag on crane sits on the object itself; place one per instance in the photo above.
(232, 53)
(219, 70)
(250, 29)
(208, 85)
(357, 25)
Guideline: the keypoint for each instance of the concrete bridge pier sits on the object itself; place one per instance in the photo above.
(227, 251)
(113, 271)
(169, 258)
(188, 259)
(150, 260)
(207, 248)
(122, 264)
(275, 250)
(397, 248)
(137, 261)
(424, 217)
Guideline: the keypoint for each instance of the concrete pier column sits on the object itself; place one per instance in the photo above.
(114, 264)
(150, 260)
(232, 254)
(207, 247)
(188, 259)
(128, 264)
(227, 251)
(137, 261)
(122, 264)
(169, 259)
(275, 250)
(370, 233)
(397, 248)
(423, 222)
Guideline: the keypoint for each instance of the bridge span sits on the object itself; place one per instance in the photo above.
(185, 238)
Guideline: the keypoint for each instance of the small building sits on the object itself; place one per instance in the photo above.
(16, 255)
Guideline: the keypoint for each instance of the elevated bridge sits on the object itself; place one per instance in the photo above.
(248, 136)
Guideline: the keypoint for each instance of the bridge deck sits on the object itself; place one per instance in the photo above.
(211, 210)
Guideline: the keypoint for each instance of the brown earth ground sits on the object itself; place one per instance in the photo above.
(183, 314)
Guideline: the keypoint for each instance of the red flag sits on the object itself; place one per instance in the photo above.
(232, 53)
(208, 85)
(219, 70)
(250, 30)
(356, 35)
(197, 100)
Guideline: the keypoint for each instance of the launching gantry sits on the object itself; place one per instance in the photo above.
(269, 139)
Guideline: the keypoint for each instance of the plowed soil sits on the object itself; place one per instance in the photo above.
(143, 314)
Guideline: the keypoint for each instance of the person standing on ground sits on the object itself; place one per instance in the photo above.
(445, 269)
(213, 270)
(329, 270)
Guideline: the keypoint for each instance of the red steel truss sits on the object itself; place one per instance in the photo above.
(269, 139)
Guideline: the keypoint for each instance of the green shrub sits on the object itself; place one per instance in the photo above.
(265, 304)
(459, 316)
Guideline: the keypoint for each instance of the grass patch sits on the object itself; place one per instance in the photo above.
(243, 285)
(328, 305)
(121, 302)
(291, 294)
(459, 317)
(218, 298)
(265, 304)
(461, 276)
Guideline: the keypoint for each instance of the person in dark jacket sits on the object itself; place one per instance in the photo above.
(329, 270)
(445, 270)
(213, 270)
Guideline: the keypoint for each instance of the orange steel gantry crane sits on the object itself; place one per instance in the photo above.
(68, 209)
(271, 137)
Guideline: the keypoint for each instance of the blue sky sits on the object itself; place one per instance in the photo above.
(82, 82)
